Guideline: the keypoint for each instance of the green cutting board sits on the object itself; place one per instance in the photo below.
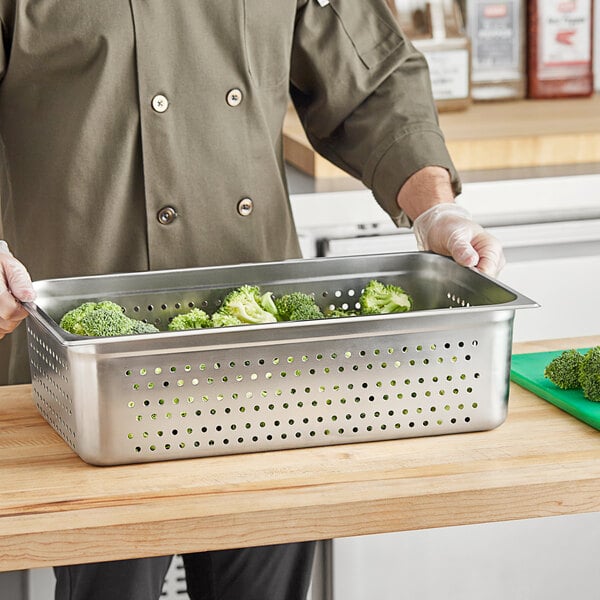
(528, 371)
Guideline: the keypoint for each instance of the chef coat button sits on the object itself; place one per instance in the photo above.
(160, 103)
(234, 97)
(166, 215)
(245, 206)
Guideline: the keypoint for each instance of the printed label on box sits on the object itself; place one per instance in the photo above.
(449, 72)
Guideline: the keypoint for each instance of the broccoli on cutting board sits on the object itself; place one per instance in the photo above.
(589, 374)
(572, 370)
(563, 371)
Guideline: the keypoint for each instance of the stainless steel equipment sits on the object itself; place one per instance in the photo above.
(441, 368)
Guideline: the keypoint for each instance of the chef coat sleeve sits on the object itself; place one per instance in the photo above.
(3, 49)
(3, 176)
(363, 95)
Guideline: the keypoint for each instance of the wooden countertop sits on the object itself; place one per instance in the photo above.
(55, 509)
(495, 135)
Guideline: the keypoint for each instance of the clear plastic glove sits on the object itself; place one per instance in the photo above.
(15, 287)
(448, 229)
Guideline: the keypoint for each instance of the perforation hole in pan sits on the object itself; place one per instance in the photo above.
(160, 311)
(456, 300)
(50, 385)
(233, 404)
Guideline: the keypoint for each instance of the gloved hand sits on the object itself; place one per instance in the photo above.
(448, 229)
(15, 286)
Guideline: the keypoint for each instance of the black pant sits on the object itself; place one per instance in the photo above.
(279, 572)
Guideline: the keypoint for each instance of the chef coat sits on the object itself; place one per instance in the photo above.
(148, 134)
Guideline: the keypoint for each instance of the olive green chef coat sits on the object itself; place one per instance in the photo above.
(147, 134)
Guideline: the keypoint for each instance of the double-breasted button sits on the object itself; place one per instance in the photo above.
(245, 206)
(160, 103)
(234, 97)
(166, 215)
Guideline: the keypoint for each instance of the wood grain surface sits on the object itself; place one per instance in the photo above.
(55, 509)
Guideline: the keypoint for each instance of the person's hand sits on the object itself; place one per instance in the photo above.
(15, 287)
(448, 229)
(443, 227)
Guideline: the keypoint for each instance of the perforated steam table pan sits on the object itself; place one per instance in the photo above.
(441, 368)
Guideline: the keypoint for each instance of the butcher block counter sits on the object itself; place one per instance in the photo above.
(55, 509)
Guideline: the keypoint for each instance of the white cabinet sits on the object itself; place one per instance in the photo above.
(562, 274)
(538, 559)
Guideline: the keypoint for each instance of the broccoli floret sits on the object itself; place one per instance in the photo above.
(572, 370)
(71, 321)
(221, 319)
(244, 303)
(563, 371)
(306, 313)
(340, 312)
(589, 374)
(267, 302)
(103, 318)
(379, 299)
(194, 319)
(108, 305)
(106, 322)
(142, 327)
(297, 306)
